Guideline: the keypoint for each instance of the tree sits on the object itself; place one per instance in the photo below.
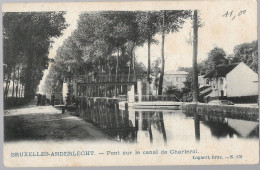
(103, 43)
(156, 71)
(195, 53)
(247, 53)
(31, 33)
(173, 90)
(169, 21)
(216, 56)
(104, 35)
(147, 27)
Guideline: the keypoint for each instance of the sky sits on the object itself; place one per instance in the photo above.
(71, 19)
(218, 30)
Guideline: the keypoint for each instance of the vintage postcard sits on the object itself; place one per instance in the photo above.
(141, 83)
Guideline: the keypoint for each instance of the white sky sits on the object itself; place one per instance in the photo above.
(71, 19)
(217, 31)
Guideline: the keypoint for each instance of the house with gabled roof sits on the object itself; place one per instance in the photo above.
(232, 80)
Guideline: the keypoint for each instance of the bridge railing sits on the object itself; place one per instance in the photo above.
(146, 98)
(106, 78)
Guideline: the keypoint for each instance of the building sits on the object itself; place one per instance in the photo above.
(201, 81)
(233, 80)
(175, 78)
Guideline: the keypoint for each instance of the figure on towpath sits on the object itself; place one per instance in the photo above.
(39, 99)
(52, 99)
(43, 100)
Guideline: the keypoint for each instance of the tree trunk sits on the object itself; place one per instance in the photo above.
(20, 85)
(13, 82)
(22, 91)
(149, 60)
(9, 82)
(163, 61)
(18, 81)
(5, 90)
(134, 63)
(117, 62)
(7, 85)
(19, 90)
(9, 67)
(131, 61)
(28, 84)
(129, 71)
(195, 53)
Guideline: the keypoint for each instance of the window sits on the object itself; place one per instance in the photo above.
(221, 81)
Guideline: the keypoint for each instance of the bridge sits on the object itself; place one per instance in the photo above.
(104, 85)
(124, 88)
(99, 79)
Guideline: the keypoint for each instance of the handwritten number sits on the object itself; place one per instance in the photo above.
(227, 13)
(241, 12)
(231, 15)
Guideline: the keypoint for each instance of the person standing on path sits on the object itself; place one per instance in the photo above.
(52, 99)
(39, 99)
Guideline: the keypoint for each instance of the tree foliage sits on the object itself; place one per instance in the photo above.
(247, 53)
(105, 42)
(216, 56)
(27, 39)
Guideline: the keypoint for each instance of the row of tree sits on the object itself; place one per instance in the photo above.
(27, 38)
(105, 42)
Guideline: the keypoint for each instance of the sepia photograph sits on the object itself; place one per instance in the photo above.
(130, 83)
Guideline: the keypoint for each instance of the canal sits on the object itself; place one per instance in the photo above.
(169, 127)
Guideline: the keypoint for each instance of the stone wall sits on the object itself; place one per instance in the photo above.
(229, 111)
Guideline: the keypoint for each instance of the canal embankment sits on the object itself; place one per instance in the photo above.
(228, 111)
(90, 106)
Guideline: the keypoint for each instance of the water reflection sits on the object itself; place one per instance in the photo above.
(197, 126)
(162, 127)
(218, 126)
(222, 127)
(150, 123)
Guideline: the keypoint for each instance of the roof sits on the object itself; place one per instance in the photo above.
(177, 72)
(221, 70)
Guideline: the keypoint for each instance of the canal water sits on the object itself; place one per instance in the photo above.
(164, 127)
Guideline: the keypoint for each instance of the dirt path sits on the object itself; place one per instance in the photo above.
(47, 123)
